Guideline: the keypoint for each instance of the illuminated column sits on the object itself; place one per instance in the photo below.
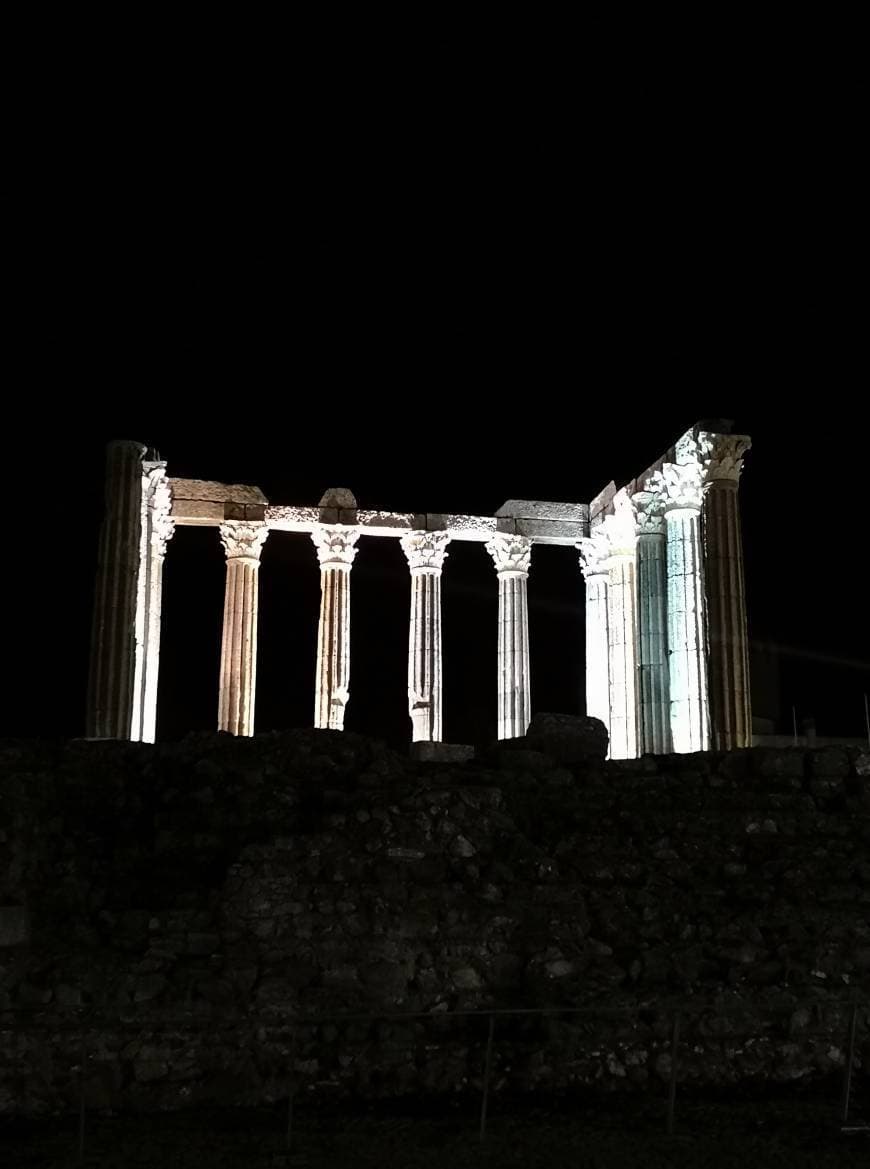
(243, 541)
(620, 530)
(336, 548)
(511, 555)
(156, 529)
(730, 711)
(594, 556)
(687, 641)
(652, 620)
(125, 639)
(425, 552)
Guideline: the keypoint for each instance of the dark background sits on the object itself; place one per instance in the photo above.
(440, 306)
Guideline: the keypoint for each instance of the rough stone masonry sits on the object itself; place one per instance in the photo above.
(185, 922)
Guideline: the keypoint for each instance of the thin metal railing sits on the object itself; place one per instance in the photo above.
(90, 1020)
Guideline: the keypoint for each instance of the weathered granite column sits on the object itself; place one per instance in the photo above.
(620, 530)
(156, 529)
(243, 541)
(730, 710)
(511, 555)
(687, 634)
(336, 549)
(594, 557)
(652, 620)
(112, 664)
(425, 552)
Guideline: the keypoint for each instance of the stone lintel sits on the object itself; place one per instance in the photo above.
(538, 509)
(563, 532)
(206, 503)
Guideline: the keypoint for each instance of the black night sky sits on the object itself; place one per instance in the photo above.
(448, 326)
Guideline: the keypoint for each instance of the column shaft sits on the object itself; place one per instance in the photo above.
(730, 711)
(512, 555)
(336, 549)
(239, 648)
(333, 648)
(514, 691)
(424, 656)
(156, 529)
(597, 649)
(622, 628)
(242, 541)
(654, 703)
(110, 684)
(687, 664)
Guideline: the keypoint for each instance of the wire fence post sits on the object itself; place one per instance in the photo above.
(672, 1088)
(291, 1091)
(82, 1057)
(486, 1073)
(850, 1059)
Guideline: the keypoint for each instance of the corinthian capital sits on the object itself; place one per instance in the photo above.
(723, 455)
(242, 539)
(594, 553)
(425, 550)
(620, 528)
(510, 553)
(159, 496)
(650, 506)
(683, 485)
(335, 544)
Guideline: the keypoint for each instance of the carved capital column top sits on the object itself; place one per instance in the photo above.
(425, 551)
(594, 553)
(336, 545)
(722, 457)
(682, 486)
(650, 507)
(159, 496)
(243, 539)
(620, 527)
(510, 554)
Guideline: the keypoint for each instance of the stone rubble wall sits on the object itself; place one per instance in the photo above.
(199, 911)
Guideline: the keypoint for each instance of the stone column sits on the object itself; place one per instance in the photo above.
(620, 531)
(687, 634)
(730, 710)
(652, 620)
(243, 541)
(336, 549)
(511, 555)
(594, 556)
(425, 552)
(112, 664)
(156, 529)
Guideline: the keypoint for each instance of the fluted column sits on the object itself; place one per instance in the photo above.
(594, 557)
(730, 710)
(652, 618)
(620, 531)
(156, 529)
(112, 664)
(243, 541)
(511, 555)
(425, 552)
(336, 549)
(687, 635)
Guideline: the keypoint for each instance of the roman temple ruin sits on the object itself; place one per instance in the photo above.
(661, 561)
